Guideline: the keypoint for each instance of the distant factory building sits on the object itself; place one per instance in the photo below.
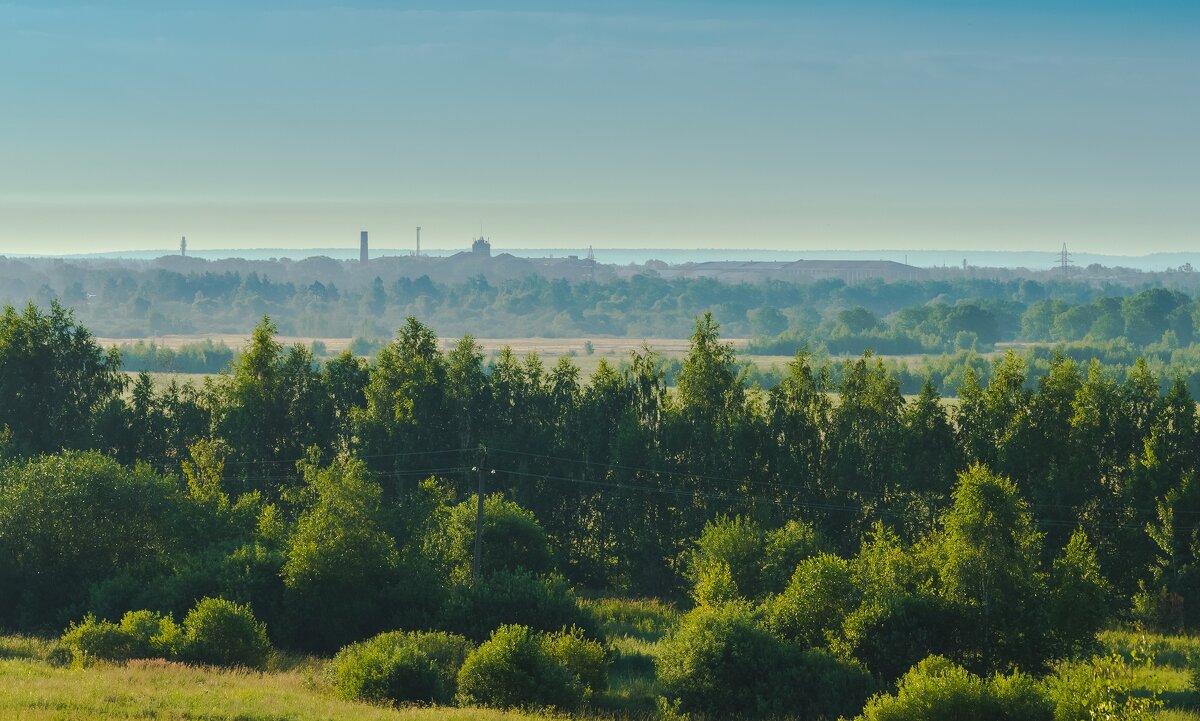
(481, 247)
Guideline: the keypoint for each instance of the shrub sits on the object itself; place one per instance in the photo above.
(448, 652)
(513, 669)
(583, 657)
(1157, 609)
(152, 635)
(92, 640)
(938, 689)
(722, 662)
(514, 538)
(735, 543)
(1103, 688)
(140, 634)
(377, 672)
(224, 633)
(891, 637)
(714, 585)
(785, 548)
(400, 667)
(543, 603)
(816, 602)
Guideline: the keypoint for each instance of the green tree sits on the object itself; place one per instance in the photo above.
(1079, 600)
(993, 421)
(60, 535)
(864, 437)
(345, 377)
(405, 421)
(930, 457)
(799, 408)
(987, 556)
(53, 379)
(271, 408)
(342, 564)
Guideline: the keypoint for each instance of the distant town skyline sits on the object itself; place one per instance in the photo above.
(857, 125)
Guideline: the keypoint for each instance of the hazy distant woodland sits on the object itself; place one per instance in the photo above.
(505, 296)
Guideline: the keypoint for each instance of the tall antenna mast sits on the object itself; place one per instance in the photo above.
(418, 241)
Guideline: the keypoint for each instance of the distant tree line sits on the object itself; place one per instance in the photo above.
(320, 297)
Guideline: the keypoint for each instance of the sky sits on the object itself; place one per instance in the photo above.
(843, 125)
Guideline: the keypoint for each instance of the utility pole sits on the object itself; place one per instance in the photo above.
(477, 565)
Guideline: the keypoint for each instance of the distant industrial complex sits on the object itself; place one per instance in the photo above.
(479, 260)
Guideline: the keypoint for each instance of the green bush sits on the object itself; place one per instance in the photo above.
(543, 603)
(722, 662)
(735, 543)
(784, 549)
(584, 657)
(937, 689)
(813, 607)
(736, 558)
(1106, 687)
(713, 585)
(514, 539)
(891, 637)
(401, 667)
(95, 640)
(152, 635)
(378, 672)
(224, 633)
(140, 634)
(513, 669)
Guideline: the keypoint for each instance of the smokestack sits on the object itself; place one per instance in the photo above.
(418, 241)
(362, 247)
(183, 246)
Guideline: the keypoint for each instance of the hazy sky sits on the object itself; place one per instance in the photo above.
(921, 124)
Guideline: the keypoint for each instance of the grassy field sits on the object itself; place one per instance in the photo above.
(545, 346)
(296, 687)
(33, 690)
(612, 350)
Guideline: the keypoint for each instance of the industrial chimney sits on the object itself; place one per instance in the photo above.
(362, 247)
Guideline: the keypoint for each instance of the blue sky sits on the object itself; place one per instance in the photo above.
(667, 124)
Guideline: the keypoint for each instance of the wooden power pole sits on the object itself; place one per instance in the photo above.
(477, 564)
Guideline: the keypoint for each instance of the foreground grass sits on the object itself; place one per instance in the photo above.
(635, 630)
(33, 690)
